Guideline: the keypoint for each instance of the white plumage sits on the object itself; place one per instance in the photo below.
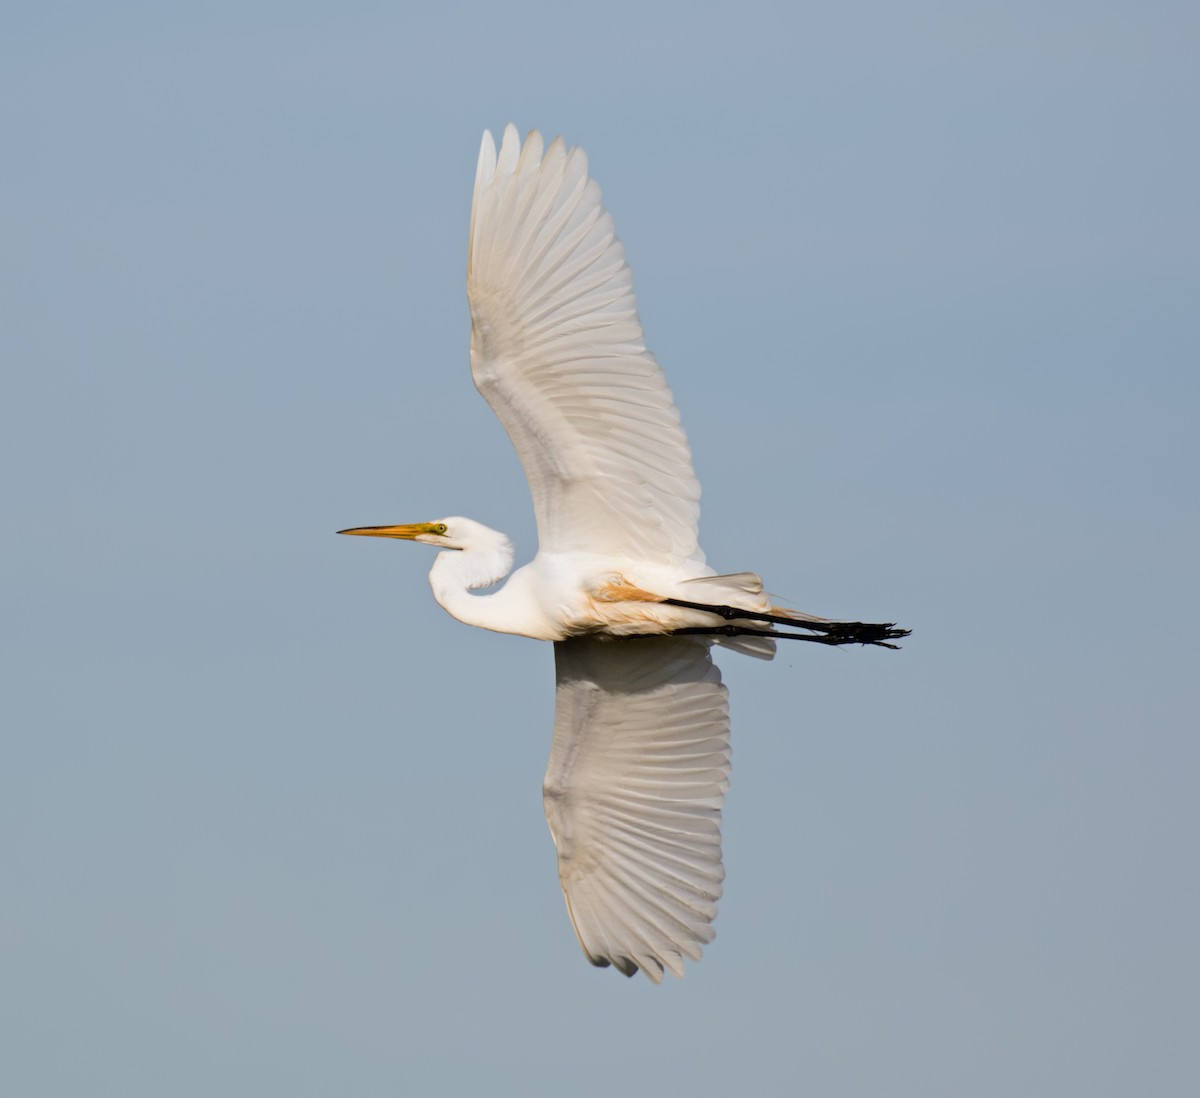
(639, 763)
(638, 770)
(557, 350)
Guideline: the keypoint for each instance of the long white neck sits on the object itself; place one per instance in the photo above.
(458, 572)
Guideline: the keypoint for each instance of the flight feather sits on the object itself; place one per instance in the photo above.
(557, 350)
(633, 792)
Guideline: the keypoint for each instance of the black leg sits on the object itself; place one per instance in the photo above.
(817, 638)
(835, 632)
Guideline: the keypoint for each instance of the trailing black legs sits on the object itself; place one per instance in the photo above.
(820, 632)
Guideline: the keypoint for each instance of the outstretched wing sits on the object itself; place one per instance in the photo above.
(638, 772)
(557, 350)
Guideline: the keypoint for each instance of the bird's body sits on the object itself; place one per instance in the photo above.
(640, 759)
(571, 594)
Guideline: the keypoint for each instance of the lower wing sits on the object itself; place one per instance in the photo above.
(638, 771)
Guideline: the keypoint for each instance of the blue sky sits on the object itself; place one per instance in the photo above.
(924, 280)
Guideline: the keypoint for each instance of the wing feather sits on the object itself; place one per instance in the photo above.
(558, 351)
(637, 776)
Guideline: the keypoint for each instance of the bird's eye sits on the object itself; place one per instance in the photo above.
(440, 528)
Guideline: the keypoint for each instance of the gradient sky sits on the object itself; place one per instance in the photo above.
(924, 280)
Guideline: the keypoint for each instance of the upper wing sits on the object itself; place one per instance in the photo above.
(638, 771)
(556, 348)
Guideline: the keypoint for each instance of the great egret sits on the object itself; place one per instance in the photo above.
(639, 763)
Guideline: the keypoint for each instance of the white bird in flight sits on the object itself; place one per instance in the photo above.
(639, 763)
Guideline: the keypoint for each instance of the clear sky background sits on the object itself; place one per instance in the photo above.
(924, 280)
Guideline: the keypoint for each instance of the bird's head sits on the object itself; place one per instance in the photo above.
(441, 533)
(448, 533)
